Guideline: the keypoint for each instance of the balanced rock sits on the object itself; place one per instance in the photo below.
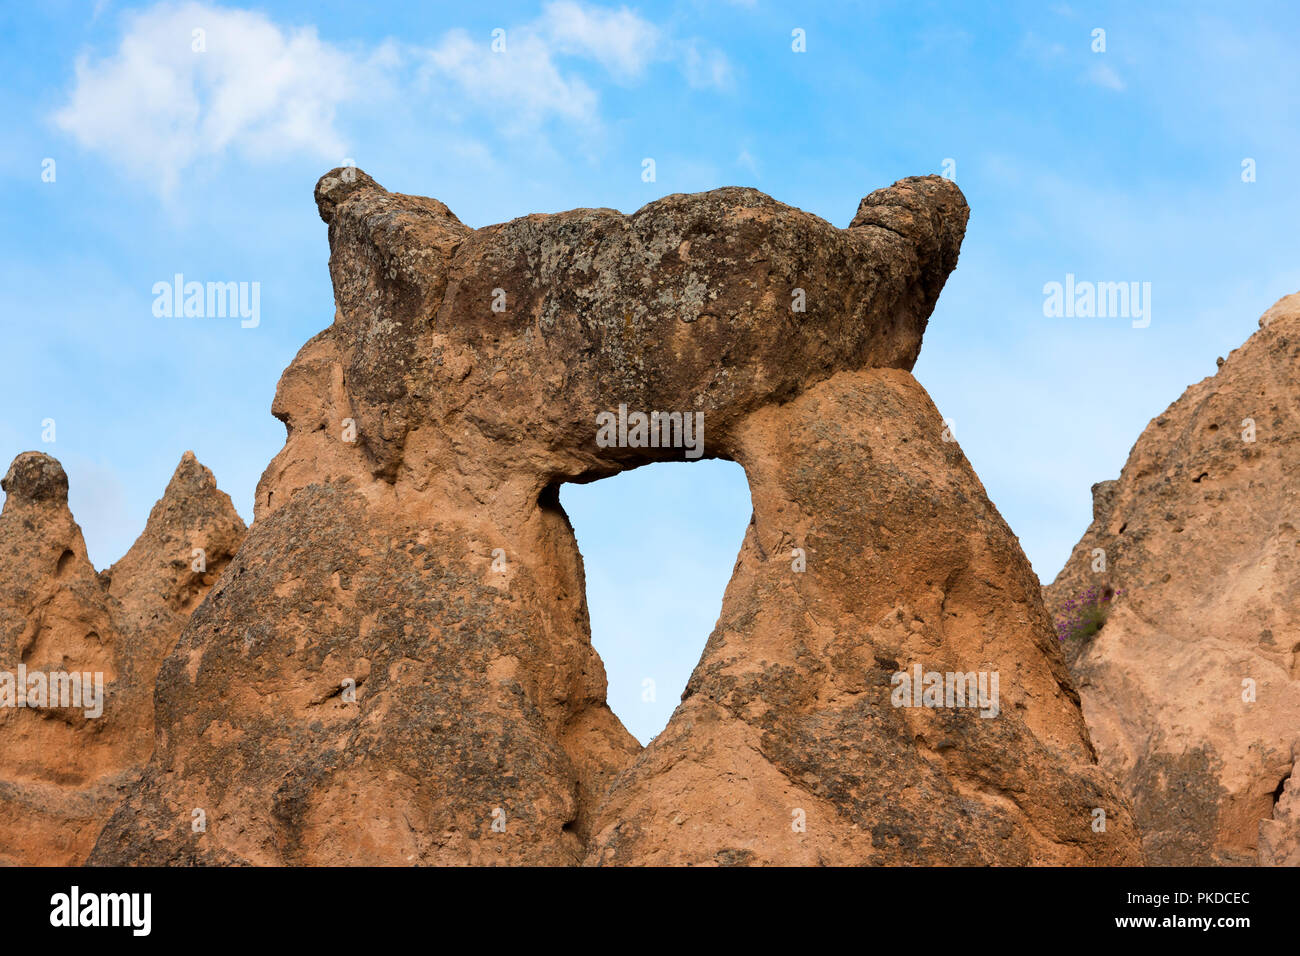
(1180, 608)
(397, 667)
(79, 651)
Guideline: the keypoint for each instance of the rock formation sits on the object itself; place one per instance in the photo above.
(64, 768)
(790, 713)
(396, 667)
(1191, 687)
(1279, 837)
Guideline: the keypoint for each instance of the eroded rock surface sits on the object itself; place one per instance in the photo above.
(397, 668)
(1279, 838)
(788, 748)
(64, 769)
(1191, 688)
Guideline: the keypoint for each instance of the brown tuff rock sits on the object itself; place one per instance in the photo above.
(1201, 541)
(790, 714)
(1279, 838)
(397, 666)
(62, 772)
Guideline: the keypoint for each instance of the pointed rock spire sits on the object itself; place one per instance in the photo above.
(62, 768)
(192, 533)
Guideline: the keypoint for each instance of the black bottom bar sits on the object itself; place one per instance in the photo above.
(358, 907)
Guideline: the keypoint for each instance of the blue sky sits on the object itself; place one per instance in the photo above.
(1116, 166)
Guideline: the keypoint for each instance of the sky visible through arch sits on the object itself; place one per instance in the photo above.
(1115, 165)
(654, 589)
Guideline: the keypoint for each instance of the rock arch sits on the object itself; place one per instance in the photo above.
(478, 731)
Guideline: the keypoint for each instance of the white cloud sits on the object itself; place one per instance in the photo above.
(705, 67)
(620, 41)
(625, 43)
(746, 161)
(533, 75)
(158, 105)
(1102, 75)
(523, 77)
(1052, 53)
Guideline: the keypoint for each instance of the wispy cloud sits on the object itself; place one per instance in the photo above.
(1101, 74)
(705, 67)
(746, 161)
(1041, 49)
(523, 77)
(531, 68)
(619, 40)
(189, 83)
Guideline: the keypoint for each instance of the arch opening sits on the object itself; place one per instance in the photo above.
(658, 545)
